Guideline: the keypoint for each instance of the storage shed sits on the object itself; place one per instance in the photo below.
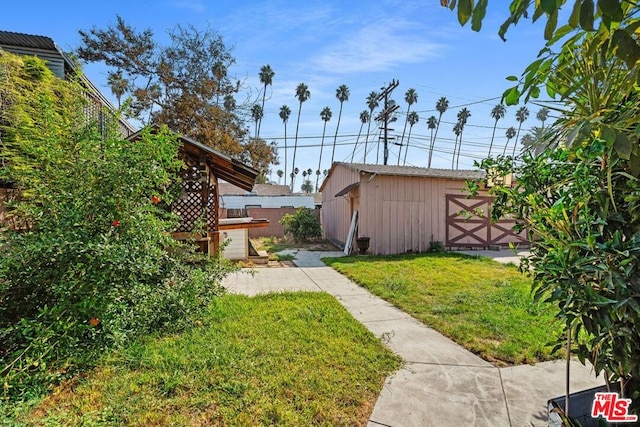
(403, 209)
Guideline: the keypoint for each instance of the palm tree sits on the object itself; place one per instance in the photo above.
(307, 186)
(302, 93)
(309, 171)
(410, 97)
(432, 122)
(293, 173)
(441, 105)
(463, 116)
(342, 93)
(325, 115)
(457, 129)
(266, 78)
(372, 103)
(280, 174)
(510, 133)
(521, 115)
(364, 118)
(542, 115)
(535, 141)
(256, 115)
(284, 114)
(497, 113)
(118, 84)
(412, 118)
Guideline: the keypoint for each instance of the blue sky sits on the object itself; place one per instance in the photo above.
(363, 44)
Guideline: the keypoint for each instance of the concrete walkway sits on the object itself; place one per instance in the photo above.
(441, 383)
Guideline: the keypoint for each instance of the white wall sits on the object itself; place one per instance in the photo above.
(238, 247)
(240, 202)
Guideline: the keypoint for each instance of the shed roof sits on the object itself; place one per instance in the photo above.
(415, 171)
(222, 166)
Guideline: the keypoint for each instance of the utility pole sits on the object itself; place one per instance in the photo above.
(386, 114)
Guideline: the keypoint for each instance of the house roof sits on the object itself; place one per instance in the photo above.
(26, 40)
(222, 166)
(59, 63)
(258, 190)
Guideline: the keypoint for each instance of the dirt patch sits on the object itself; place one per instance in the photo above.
(271, 264)
(274, 245)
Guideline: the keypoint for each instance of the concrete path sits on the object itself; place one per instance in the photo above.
(441, 383)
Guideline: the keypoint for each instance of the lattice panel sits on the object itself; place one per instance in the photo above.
(191, 206)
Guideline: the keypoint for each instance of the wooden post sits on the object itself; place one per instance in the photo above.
(213, 230)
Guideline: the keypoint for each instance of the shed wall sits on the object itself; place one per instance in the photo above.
(403, 213)
(336, 211)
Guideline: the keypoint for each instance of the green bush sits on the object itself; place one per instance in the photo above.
(93, 264)
(303, 225)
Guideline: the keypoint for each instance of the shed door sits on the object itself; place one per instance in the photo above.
(468, 224)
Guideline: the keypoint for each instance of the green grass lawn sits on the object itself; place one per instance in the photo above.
(481, 304)
(279, 359)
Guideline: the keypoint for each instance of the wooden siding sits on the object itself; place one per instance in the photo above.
(403, 214)
(336, 211)
(398, 213)
(237, 248)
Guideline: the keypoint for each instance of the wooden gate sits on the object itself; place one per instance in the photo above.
(468, 224)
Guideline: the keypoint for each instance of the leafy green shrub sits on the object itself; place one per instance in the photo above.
(94, 263)
(436, 246)
(303, 225)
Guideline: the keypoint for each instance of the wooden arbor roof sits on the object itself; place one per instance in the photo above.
(222, 166)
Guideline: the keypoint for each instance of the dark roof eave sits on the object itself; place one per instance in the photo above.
(222, 166)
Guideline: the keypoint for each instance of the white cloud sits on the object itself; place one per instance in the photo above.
(378, 46)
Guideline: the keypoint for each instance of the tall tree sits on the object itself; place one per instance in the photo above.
(432, 122)
(303, 94)
(342, 93)
(413, 118)
(307, 186)
(364, 118)
(266, 78)
(325, 115)
(280, 174)
(176, 84)
(256, 115)
(118, 84)
(463, 116)
(521, 115)
(410, 97)
(542, 115)
(284, 114)
(457, 130)
(372, 103)
(441, 105)
(510, 133)
(497, 113)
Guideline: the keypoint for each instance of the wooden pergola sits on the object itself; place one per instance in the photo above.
(199, 199)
